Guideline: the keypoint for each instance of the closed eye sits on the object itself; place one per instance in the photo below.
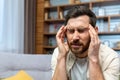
(82, 30)
(70, 30)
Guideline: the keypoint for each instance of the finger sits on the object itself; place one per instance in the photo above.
(94, 37)
(93, 34)
(60, 35)
(59, 31)
(64, 32)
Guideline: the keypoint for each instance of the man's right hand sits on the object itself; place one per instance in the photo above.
(62, 46)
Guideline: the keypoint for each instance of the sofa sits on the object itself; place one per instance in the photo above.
(38, 66)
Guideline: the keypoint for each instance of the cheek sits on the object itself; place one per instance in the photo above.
(69, 38)
(86, 38)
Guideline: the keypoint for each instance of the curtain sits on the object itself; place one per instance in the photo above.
(30, 21)
(12, 26)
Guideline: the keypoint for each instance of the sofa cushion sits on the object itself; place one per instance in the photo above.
(21, 75)
(36, 65)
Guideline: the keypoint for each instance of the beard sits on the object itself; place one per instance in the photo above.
(80, 49)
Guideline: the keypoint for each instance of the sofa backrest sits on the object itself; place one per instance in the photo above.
(36, 65)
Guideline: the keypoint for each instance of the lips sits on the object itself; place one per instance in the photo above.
(76, 46)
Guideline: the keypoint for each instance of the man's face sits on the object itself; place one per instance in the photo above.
(77, 34)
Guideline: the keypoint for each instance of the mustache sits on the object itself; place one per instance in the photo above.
(76, 43)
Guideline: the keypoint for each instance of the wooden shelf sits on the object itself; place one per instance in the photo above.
(49, 47)
(54, 33)
(49, 7)
(55, 15)
(81, 3)
(52, 47)
(67, 5)
(100, 33)
(99, 17)
(107, 16)
(54, 20)
(117, 49)
(109, 33)
(117, 15)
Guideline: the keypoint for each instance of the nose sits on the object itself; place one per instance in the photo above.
(76, 35)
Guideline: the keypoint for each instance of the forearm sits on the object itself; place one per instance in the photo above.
(60, 71)
(95, 71)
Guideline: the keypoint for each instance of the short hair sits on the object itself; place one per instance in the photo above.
(79, 11)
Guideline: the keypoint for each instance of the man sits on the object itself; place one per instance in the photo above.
(83, 57)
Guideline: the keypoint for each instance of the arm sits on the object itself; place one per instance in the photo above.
(60, 70)
(95, 71)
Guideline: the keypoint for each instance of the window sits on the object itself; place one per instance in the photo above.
(12, 26)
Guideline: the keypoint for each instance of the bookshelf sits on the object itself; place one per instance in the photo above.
(108, 14)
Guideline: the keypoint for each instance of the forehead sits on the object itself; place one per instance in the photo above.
(79, 21)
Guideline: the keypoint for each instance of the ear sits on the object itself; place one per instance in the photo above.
(96, 29)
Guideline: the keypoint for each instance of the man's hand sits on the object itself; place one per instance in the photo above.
(60, 71)
(95, 71)
(93, 51)
(62, 46)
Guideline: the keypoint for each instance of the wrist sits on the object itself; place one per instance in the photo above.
(94, 59)
(61, 57)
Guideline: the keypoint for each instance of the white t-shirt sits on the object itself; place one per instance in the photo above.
(79, 69)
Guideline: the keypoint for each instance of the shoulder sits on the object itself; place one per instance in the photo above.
(106, 51)
(109, 61)
(55, 55)
(55, 52)
(108, 57)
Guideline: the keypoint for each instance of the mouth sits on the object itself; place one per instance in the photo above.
(76, 46)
